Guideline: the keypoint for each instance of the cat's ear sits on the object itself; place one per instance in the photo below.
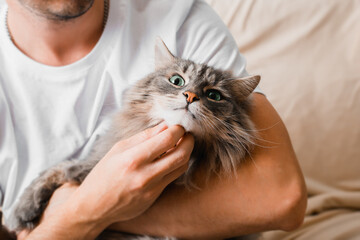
(162, 54)
(243, 87)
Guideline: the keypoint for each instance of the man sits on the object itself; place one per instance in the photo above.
(63, 67)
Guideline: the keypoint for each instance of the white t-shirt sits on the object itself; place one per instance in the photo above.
(50, 114)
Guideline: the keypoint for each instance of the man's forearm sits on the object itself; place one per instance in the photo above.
(60, 227)
(63, 220)
(268, 193)
(218, 212)
(60, 230)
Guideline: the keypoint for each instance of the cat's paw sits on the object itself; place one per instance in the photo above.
(34, 200)
(32, 205)
(76, 173)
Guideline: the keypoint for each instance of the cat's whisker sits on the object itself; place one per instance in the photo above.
(248, 138)
(248, 152)
(250, 130)
(254, 163)
(257, 137)
(208, 120)
(263, 129)
(213, 125)
(230, 128)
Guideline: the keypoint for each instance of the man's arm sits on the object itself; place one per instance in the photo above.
(268, 193)
(121, 186)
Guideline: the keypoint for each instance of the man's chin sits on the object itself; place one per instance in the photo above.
(64, 10)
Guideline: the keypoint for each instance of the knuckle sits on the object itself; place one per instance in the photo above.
(179, 159)
(137, 184)
(135, 158)
(131, 163)
(168, 139)
(140, 184)
(182, 157)
(148, 195)
(146, 134)
(184, 152)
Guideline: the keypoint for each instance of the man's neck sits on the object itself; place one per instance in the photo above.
(55, 43)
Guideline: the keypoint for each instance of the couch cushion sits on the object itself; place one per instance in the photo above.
(308, 53)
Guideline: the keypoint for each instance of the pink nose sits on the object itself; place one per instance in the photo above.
(191, 97)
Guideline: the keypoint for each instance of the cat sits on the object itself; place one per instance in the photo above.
(210, 103)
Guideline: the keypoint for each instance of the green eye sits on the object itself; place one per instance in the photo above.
(214, 95)
(177, 80)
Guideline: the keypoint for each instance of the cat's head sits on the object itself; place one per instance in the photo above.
(211, 104)
(196, 96)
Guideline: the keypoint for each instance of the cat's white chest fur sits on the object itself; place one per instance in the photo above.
(180, 116)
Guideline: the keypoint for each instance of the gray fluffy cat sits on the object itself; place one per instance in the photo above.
(211, 104)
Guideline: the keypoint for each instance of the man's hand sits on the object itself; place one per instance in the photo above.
(132, 175)
(121, 186)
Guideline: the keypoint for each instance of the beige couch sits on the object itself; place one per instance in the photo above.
(308, 53)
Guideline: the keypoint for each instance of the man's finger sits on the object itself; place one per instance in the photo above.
(140, 137)
(169, 178)
(152, 148)
(175, 158)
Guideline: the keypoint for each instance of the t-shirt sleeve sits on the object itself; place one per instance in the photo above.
(204, 38)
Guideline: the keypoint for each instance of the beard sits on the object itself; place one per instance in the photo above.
(58, 10)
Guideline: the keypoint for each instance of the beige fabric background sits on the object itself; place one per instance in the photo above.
(308, 53)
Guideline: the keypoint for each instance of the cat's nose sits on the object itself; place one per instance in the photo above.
(190, 96)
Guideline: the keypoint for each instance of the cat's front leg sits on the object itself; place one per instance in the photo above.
(36, 197)
(34, 200)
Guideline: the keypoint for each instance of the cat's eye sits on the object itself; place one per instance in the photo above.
(177, 80)
(213, 94)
